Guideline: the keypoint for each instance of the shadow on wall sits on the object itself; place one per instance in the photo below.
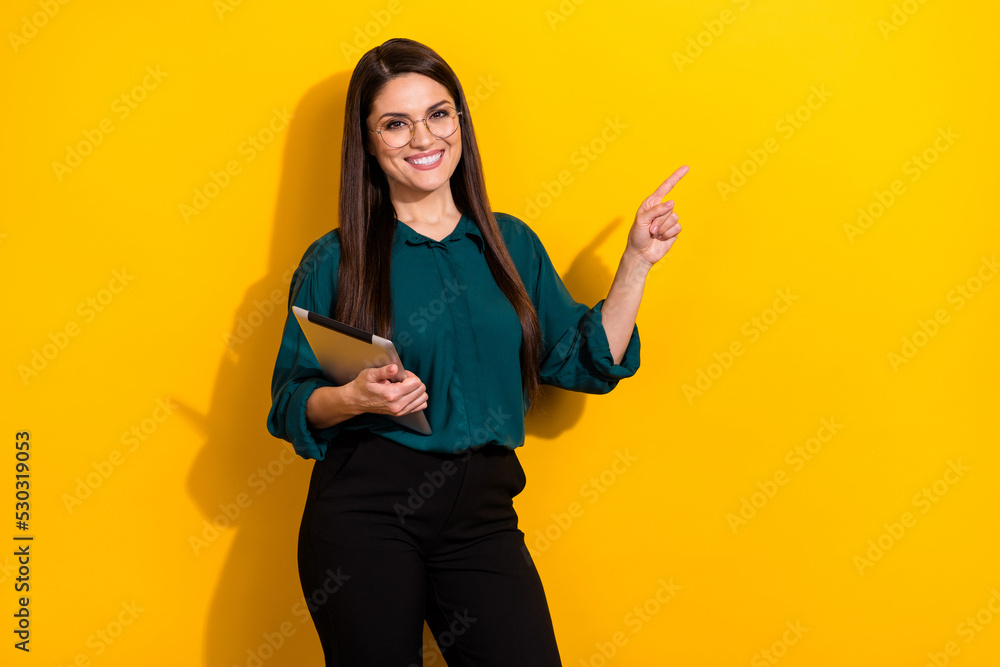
(255, 483)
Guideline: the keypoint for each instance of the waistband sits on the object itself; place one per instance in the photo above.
(354, 437)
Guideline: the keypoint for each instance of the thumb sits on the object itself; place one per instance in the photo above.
(388, 371)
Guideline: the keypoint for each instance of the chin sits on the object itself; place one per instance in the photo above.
(430, 184)
(412, 179)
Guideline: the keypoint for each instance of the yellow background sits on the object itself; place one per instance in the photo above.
(545, 80)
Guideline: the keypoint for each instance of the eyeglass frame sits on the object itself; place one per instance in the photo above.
(413, 126)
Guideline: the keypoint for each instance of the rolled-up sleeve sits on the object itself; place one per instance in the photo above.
(296, 371)
(576, 354)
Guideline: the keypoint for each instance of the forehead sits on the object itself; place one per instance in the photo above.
(410, 93)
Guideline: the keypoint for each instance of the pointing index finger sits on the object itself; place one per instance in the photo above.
(668, 185)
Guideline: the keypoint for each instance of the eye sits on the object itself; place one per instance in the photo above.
(440, 113)
(393, 125)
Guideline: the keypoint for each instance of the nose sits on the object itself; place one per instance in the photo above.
(421, 135)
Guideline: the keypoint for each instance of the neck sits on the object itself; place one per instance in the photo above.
(433, 208)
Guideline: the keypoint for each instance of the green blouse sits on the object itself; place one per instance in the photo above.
(457, 332)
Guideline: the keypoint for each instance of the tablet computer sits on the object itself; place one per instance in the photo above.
(344, 351)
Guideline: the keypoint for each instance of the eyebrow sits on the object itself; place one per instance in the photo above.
(396, 113)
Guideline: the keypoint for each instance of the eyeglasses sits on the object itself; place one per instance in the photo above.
(397, 132)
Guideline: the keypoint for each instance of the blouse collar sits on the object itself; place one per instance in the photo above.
(466, 228)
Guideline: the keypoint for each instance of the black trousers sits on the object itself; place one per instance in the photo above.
(391, 536)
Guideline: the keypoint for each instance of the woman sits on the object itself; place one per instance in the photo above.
(400, 526)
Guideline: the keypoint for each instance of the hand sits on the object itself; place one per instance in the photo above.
(374, 391)
(656, 228)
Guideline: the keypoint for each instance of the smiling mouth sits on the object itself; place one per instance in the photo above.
(430, 159)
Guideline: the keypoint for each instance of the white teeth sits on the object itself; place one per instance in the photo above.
(427, 160)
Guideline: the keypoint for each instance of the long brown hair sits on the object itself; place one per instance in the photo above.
(367, 216)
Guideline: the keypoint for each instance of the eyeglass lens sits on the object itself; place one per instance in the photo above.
(397, 132)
